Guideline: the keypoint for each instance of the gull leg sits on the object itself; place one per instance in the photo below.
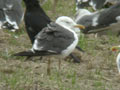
(76, 59)
(59, 64)
(28, 58)
(48, 68)
(80, 49)
(41, 57)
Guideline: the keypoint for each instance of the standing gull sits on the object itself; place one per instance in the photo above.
(100, 19)
(58, 38)
(36, 19)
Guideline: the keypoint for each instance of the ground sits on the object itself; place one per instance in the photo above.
(97, 69)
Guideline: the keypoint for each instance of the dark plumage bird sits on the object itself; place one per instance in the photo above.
(11, 14)
(35, 19)
(58, 38)
(99, 19)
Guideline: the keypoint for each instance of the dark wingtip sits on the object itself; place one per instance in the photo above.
(37, 53)
(24, 53)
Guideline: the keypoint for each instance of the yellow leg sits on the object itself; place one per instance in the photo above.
(59, 64)
(48, 68)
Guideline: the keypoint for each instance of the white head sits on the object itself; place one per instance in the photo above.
(68, 23)
(118, 18)
(65, 21)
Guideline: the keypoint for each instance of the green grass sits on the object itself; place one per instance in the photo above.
(15, 78)
(64, 9)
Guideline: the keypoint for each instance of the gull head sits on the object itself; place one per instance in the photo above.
(68, 23)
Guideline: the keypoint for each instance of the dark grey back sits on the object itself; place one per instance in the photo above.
(55, 38)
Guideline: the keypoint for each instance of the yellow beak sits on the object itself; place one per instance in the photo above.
(79, 26)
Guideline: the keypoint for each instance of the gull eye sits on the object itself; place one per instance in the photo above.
(67, 22)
